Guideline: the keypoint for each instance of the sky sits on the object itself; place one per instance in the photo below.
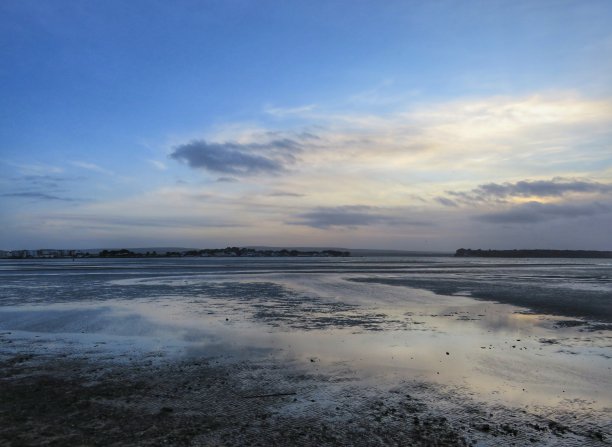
(415, 125)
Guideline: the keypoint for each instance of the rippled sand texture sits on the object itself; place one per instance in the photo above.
(370, 351)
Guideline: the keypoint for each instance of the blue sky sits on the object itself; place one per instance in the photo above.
(415, 125)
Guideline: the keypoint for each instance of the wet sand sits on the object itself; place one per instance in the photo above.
(77, 401)
(296, 359)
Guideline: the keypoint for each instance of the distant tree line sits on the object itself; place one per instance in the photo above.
(468, 252)
(117, 254)
(222, 252)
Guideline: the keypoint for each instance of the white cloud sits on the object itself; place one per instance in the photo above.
(387, 160)
(36, 168)
(284, 112)
(91, 167)
(158, 165)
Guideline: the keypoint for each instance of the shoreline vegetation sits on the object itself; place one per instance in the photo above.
(290, 252)
(204, 253)
(479, 253)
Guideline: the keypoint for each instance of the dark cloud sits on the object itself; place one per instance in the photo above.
(543, 188)
(43, 187)
(308, 136)
(446, 201)
(47, 181)
(227, 180)
(534, 212)
(285, 194)
(351, 217)
(239, 159)
(38, 196)
(201, 196)
(557, 187)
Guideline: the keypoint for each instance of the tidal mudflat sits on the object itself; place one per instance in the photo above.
(351, 351)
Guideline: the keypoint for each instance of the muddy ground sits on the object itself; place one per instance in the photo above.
(228, 355)
(76, 400)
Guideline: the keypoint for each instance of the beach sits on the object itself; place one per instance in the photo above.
(351, 351)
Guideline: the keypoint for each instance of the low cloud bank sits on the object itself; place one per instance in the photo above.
(533, 212)
(38, 196)
(351, 217)
(540, 188)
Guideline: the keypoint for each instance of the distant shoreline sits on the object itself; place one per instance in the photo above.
(249, 251)
(204, 253)
(294, 252)
(479, 253)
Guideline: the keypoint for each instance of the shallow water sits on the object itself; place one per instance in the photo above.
(372, 321)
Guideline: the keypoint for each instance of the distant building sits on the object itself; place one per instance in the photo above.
(21, 254)
(46, 253)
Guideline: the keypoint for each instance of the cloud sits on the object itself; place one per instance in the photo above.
(490, 116)
(91, 167)
(446, 201)
(285, 194)
(540, 188)
(477, 135)
(38, 196)
(36, 169)
(47, 182)
(350, 217)
(294, 179)
(527, 135)
(158, 165)
(382, 94)
(41, 187)
(227, 180)
(238, 158)
(283, 112)
(109, 221)
(534, 212)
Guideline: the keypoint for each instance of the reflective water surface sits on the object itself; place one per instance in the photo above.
(523, 333)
